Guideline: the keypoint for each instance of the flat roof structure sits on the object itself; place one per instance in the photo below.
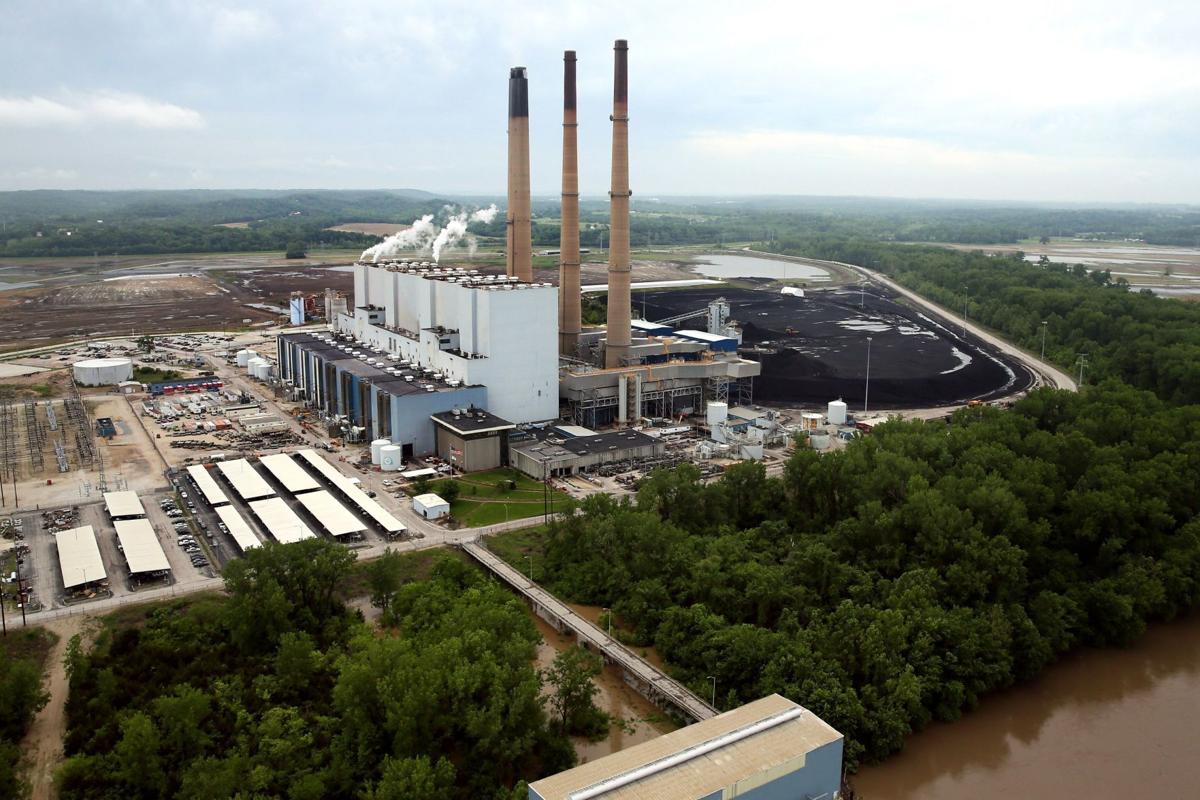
(123, 504)
(351, 492)
(332, 515)
(244, 479)
(413, 474)
(208, 485)
(79, 556)
(743, 748)
(238, 528)
(143, 552)
(471, 420)
(293, 477)
(280, 521)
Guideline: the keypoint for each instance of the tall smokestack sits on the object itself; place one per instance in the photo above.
(520, 245)
(617, 346)
(568, 264)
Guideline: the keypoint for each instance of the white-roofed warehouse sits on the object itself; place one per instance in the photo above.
(331, 514)
(238, 528)
(289, 474)
(245, 480)
(143, 553)
(208, 485)
(79, 556)
(280, 521)
(123, 505)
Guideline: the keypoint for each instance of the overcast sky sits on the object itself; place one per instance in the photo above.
(1048, 100)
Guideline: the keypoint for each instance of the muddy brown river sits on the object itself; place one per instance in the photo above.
(1101, 724)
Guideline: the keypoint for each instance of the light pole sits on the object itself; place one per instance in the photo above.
(608, 611)
(1043, 340)
(530, 557)
(714, 690)
(1083, 357)
(867, 388)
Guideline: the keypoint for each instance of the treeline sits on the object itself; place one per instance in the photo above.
(280, 692)
(22, 653)
(898, 581)
(1146, 341)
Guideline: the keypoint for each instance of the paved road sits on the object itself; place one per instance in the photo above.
(1045, 373)
(671, 690)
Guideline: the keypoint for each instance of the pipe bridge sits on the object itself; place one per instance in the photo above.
(639, 673)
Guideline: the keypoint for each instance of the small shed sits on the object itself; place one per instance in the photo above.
(430, 506)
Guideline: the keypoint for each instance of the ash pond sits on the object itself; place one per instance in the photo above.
(728, 266)
(1099, 724)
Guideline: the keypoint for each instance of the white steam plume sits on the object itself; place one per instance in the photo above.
(426, 235)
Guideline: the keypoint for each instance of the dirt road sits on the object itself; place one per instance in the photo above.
(43, 744)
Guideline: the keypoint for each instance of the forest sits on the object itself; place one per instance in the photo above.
(1143, 340)
(83, 223)
(280, 691)
(22, 656)
(899, 580)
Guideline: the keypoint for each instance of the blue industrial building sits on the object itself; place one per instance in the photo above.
(771, 749)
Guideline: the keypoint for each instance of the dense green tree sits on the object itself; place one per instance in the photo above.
(571, 680)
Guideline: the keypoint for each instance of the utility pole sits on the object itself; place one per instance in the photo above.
(714, 690)
(867, 388)
(530, 557)
(1043, 340)
(1083, 357)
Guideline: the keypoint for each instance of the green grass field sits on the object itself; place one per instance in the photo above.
(481, 501)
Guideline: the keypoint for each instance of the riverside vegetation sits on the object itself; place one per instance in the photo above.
(279, 691)
(898, 581)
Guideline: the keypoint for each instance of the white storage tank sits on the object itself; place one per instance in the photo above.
(263, 370)
(243, 357)
(391, 457)
(103, 371)
(376, 446)
(837, 413)
(252, 366)
(717, 413)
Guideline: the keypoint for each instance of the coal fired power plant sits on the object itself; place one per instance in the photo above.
(424, 339)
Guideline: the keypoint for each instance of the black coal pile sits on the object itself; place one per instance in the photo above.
(814, 349)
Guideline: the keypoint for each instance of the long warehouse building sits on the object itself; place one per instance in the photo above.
(79, 557)
(357, 497)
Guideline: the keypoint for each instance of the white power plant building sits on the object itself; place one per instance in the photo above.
(423, 340)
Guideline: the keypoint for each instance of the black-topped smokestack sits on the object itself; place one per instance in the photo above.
(568, 262)
(519, 254)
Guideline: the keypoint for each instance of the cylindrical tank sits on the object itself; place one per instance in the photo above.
(252, 366)
(819, 441)
(391, 457)
(717, 413)
(103, 371)
(810, 421)
(837, 412)
(243, 357)
(263, 370)
(376, 446)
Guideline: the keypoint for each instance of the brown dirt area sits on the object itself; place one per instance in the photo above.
(43, 745)
(372, 228)
(32, 317)
(28, 386)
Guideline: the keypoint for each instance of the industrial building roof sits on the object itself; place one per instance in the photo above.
(289, 473)
(396, 384)
(556, 450)
(430, 500)
(79, 556)
(351, 492)
(123, 504)
(332, 515)
(245, 479)
(700, 759)
(574, 431)
(741, 412)
(238, 529)
(280, 520)
(208, 486)
(142, 550)
(471, 420)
